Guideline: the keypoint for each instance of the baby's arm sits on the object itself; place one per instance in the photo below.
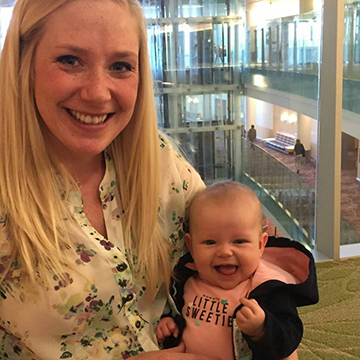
(251, 319)
(283, 328)
(166, 328)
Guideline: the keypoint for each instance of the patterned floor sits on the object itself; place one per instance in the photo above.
(350, 187)
(332, 327)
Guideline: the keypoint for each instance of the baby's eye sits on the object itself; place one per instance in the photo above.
(239, 241)
(209, 242)
(121, 66)
(68, 60)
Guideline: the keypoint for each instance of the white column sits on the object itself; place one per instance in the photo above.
(328, 184)
(270, 54)
(174, 114)
(237, 137)
(207, 110)
(350, 68)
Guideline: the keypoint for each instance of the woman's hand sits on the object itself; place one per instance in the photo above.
(176, 353)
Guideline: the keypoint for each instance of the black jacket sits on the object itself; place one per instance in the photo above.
(279, 300)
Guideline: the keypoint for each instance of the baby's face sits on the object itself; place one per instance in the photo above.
(226, 242)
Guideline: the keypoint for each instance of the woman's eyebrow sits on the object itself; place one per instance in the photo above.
(73, 48)
(81, 50)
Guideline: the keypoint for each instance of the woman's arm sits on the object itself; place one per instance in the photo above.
(176, 353)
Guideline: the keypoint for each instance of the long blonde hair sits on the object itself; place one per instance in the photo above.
(29, 173)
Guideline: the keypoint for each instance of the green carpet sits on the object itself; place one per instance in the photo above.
(332, 327)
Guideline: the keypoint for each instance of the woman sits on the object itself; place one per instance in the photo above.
(92, 201)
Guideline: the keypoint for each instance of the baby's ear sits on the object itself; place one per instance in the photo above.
(188, 241)
(263, 241)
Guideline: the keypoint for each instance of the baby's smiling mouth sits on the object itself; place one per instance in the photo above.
(226, 269)
(87, 119)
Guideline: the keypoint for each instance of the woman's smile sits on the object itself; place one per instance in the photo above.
(89, 119)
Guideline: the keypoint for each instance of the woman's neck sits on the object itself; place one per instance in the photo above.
(86, 170)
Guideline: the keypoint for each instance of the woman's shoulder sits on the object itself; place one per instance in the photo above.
(6, 248)
(4, 236)
(171, 152)
(178, 176)
(175, 166)
(167, 144)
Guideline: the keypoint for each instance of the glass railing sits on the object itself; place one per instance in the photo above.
(301, 84)
(210, 151)
(189, 9)
(289, 201)
(287, 198)
(296, 83)
(284, 193)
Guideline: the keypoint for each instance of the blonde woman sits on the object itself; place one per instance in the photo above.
(92, 199)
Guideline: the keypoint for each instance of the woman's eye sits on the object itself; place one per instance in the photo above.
(68, 60)
(121, 67)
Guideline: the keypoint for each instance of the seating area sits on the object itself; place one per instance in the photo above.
(282, 142)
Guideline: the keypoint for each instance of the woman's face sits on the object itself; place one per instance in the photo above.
(86, 76)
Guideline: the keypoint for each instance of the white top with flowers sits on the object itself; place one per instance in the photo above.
(102, 313)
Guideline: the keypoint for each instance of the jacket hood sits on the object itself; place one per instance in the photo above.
(295, 268)
(283, 263)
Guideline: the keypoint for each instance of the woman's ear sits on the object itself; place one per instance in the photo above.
(263, 241)
(188, 241)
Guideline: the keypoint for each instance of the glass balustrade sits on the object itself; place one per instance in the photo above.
(284, 193)
(289, 200)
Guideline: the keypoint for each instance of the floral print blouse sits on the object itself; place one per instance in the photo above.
(104, 314)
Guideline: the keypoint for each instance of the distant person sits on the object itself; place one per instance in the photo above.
(299, 152)
(237, 297)
(252, 136)
(219, 53)
(216, 54)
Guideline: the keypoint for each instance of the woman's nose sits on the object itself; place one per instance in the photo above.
(95, 87)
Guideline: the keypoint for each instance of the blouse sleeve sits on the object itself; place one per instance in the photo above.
(9, 268)
(13, 348)
(180, 182)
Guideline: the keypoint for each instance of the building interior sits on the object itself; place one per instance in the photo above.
(220, 66)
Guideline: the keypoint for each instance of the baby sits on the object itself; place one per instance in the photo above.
(237, 297)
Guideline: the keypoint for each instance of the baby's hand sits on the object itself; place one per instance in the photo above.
(166, 328)
(251, 319)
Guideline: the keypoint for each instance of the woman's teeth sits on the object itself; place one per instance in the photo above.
(87, 119)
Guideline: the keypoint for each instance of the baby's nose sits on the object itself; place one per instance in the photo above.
(225, 251)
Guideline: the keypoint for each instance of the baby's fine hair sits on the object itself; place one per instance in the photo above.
(227, 191)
